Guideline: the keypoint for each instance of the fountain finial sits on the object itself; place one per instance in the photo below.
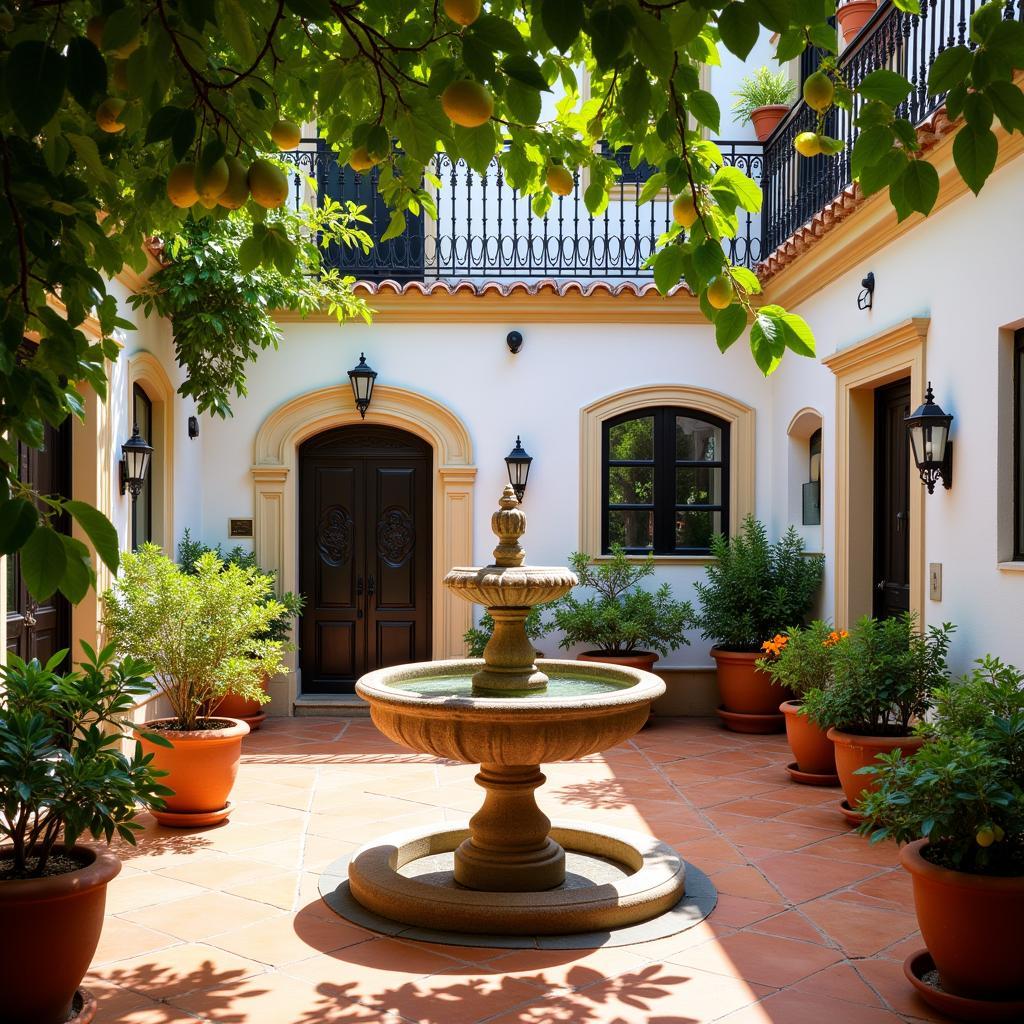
(508, 524)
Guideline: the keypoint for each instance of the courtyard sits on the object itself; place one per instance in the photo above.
(226, 925)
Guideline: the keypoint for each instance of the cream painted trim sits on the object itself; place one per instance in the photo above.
(1010, 566)
(147, 371)
(796, 426)
(742, 441)
(860, 369)
(275, 481)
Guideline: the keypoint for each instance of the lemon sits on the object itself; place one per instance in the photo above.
(237, 191)
(819, 92)
(807, 144)
(268, 184)
(108, 115)
(360, 159)
(94, 30)
(463, 12)
(720, 292)
(286, 135)
(560, 180)
(684, 209)
(985, 836)
(181, 186)
(467, 103)
(211, 184)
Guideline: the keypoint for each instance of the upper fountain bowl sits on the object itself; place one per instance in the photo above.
(515, 586)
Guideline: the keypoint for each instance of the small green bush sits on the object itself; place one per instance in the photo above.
(622, 618)
(754, 589)
(964, 789)
(763, 88)
(804, 659)
(885, 675)
(477, 636)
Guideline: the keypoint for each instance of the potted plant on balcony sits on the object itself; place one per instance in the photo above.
(763, 99)
(235, 705)
(959, 806)
(885, 674)
(852, 16)
(621, 623)
(202, 635)
(754, 590)
(63, 776)
(800, 660)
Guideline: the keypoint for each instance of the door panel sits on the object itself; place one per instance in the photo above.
(365, 558)
(892, 501)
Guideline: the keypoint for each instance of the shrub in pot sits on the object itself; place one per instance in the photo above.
(763, 99)
(202, 634)
(753, 591)
(958, 804)
(621, 623)
(884, 677)
(63, 776)
(798, 661)
(234, 705)
(477, 636)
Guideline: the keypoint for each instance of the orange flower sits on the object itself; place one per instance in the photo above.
(776, 645)
(834, 637)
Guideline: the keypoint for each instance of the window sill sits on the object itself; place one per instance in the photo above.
(1010, 566)
(663, 559)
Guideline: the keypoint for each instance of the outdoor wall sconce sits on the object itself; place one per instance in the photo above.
(136, 454)
(193, 427)
(514, 340)
(866, 297)
(362, 378)
(518, 463)
(928, 427)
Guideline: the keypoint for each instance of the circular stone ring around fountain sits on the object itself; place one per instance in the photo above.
(504, 872)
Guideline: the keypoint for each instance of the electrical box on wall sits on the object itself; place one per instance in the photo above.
(935, 581)
(812, 503)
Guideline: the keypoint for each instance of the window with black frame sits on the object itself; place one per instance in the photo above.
(142, 507)
(1018, 446)
(665, 481)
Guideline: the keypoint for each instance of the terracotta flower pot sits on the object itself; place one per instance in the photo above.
(249, 711)
(814, 752)
(973, 926)
(853, 16)
(766, 119)
(638, 659)
(51, 927)
(746, 690)
(201, 767)
(853, 752)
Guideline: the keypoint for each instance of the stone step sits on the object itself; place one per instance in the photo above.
(342, 705)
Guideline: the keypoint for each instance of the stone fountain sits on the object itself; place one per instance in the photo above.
(505, 870)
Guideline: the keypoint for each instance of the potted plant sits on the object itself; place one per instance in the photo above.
(477, 636)
(763, 99)
(234, 705)
(852, 16)
(622, 623)
(63, 776)
(800, 660)
(754, 590)
(202, 634)
(958, 804)
(885, 674)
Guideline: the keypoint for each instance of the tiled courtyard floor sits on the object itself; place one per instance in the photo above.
(226, 925)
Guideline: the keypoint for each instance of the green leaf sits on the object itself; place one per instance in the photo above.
(763, 344)
(522, 69)
(497, 34)
(874, 177)
(748, 194)
(477, 145)
(1006, 41)
(885, 85)
(595, 198)
(562, 20)
(523, 101)
(316, 10)
(34, 78)
(686, 23)
(791, 44)
(773, 14)
(739, 30)
(708, 259)
(609, 28)
(729, 325)
(978, 110)
(121, 28)
(635, 96)
(747, 280)
(652, 44)
(396, 226)
(950, 68)
(163, 123)
(872, 144)
(78, 575)
(43, 562)
(974, 153)
(234, 23)
(797, 335)
(1008, 103)
(250, 255)
(652, 186)
(17, 521)
(668, 268)
(87, 71)
(99, 530)
(704, 107)
(920, 182)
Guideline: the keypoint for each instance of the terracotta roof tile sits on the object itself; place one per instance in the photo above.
(544, 286)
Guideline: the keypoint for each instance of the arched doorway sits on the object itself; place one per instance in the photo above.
(365, 553)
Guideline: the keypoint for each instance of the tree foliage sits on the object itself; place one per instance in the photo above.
(102, 101)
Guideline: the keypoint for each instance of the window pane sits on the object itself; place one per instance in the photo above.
(631, 529)
(630, 485)
(695, 529)
(1020, 446)
(697, 441)
(633, 439)
(698, 486)
(142, 510)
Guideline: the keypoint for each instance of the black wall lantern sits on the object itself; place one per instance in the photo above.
(136, 454)
(867, 293)
(518, 462)
(362, 378)
(928, 427)
(514, 340)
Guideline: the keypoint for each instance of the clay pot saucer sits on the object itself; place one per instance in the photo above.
(738, 721)
(83, 1008)
(810, 778)
(197, 819)
(852, 816)
(918, 965)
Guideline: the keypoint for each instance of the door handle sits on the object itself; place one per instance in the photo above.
(881, 584)
(900, 519)
(359, 586)
(371, 587)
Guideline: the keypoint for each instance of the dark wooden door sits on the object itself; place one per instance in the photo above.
(39, 630)
(365, 554)
(892, 500)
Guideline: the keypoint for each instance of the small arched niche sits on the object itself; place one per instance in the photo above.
(806, 468)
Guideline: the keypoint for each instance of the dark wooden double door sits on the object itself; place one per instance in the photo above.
(365, 554)
(40, 629)
(892, 501)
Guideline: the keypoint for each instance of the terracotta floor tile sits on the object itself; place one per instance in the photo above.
(142, 889)
(285, 938)
(859, 930)
(122, 939)
(199, 916)
(797, 1007)
(746, 881)
(764, 959)
(840, 981)
(221, 872)
(802, 876)
(559, 969)
(793, 925)
(886, 977)
(754, 807)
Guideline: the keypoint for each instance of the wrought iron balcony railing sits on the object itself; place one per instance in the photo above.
(485, 229)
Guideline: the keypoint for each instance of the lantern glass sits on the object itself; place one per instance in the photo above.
(136, 455)
(518, 462)
(362, 377)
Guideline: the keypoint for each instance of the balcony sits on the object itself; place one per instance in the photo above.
(486, 230)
